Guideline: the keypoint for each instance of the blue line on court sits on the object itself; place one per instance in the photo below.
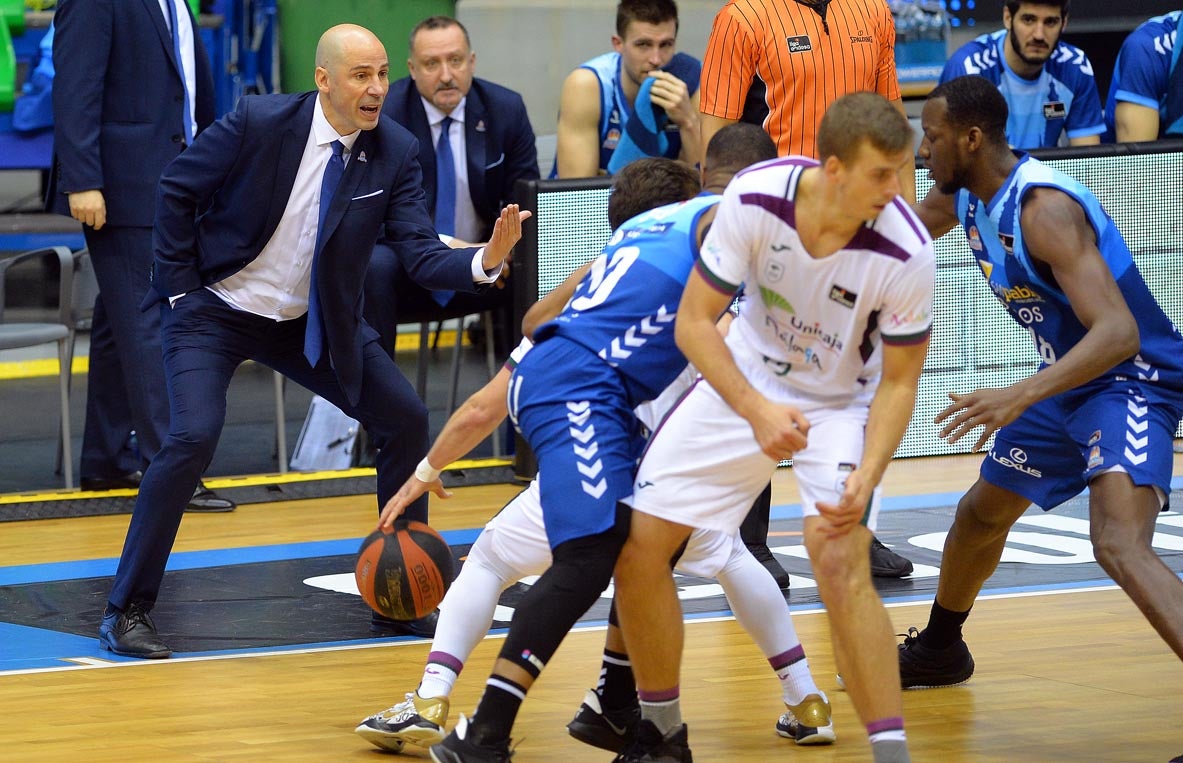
(190, 560)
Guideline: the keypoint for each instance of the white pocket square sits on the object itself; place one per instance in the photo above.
(368, 195)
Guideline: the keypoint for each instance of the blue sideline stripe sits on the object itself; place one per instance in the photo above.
(190, 560)
(26, 647)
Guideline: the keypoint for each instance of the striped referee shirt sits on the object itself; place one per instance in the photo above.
(807, 55)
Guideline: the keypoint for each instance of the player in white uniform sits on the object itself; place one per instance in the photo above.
(822, 366)
(514, 545)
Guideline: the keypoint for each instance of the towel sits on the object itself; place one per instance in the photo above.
(644, 131)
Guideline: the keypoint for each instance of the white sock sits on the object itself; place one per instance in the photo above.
(465, 616)
(759, 606)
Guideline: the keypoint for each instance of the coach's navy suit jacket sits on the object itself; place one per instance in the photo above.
(498, 136)
(220, 202)
(116, 127)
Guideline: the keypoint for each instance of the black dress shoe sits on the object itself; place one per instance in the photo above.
(132, 634)
(765, 557)
(131, 481)
(424, 627)
(206, 500)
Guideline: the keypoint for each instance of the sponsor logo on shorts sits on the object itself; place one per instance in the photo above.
(844, 297)
(1095, 437)
(844, 471)
(1095, 457)
(1017, 460)
(799, 44)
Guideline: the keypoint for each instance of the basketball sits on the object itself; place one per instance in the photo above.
(405, 573)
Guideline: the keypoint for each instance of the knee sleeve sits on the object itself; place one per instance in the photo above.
(581, 570)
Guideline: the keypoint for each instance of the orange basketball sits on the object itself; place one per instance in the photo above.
(404, 574)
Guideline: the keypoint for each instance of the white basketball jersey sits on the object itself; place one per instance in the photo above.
(816, 325)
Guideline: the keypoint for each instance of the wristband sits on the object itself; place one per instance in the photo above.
(425, 472)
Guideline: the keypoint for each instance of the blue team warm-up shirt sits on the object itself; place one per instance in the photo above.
(1142, 74)
(1063, 98)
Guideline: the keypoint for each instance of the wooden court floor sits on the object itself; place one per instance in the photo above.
(1061, 677)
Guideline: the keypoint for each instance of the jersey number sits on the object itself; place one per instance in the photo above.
(1046, 352)
(604, 276)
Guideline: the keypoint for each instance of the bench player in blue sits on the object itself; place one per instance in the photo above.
(572, 398)
(1146, 94)
(1103, 407)
(1048, 84)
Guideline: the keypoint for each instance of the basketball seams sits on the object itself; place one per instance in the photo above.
(405, 574)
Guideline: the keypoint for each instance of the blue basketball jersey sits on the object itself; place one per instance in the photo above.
(624, 309)
(615, 110)
(1147, 72)
(1063, 98)
(996, 239)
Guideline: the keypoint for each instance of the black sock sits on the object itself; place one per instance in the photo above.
(944, 627)
(496, 712)
(617, 687)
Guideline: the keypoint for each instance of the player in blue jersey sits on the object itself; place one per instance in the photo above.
(572, 398)
(640, 99)
(1103, 407)
(1146, 95)
(1048, 84)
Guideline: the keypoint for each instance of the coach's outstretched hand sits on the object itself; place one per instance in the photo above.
(406, 495)
(507, 231)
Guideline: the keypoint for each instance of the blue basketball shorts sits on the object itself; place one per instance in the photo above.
(573, 409)
(1051, 452)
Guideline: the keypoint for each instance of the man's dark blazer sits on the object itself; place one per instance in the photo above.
(498, 136)
(115, 128)
(221, 200)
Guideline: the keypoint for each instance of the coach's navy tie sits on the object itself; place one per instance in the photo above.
(172, 22)
(314, 334)
(445, 194)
